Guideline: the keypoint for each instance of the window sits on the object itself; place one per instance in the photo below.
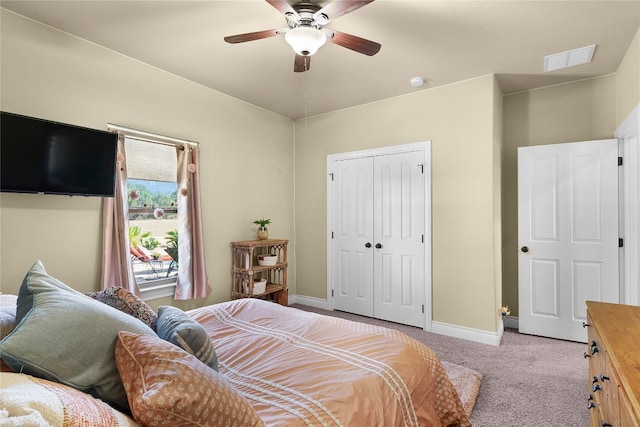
(152, 191)
(160, 196)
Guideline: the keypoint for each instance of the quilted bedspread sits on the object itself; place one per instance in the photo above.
(303, 369)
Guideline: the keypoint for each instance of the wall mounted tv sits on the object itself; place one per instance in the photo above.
(45, 157)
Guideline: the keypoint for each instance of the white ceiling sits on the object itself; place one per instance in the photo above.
(443, 41)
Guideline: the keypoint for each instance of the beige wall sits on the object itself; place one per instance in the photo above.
(579, 111)
(46, 73)
(460, 121)
(498, 143)
(628, 81)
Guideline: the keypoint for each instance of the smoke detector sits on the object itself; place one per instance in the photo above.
(416, 81)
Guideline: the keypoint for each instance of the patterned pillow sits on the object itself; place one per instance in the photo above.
(166, 386)
(8, 305)
(63, 335)
(127, 302)
(175, 326)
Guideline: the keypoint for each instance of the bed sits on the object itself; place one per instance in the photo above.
(259, 363)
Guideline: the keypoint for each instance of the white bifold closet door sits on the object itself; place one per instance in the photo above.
(378, 248)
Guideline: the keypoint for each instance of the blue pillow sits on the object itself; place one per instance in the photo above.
(177, 327)
(65, 336)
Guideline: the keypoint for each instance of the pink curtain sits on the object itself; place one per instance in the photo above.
(117, 269)
(192, 275)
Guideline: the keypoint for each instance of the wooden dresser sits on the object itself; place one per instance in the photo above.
(614, 364)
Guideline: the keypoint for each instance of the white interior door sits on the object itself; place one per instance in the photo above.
(352, 219)
(399, 261)
(378, 248)
(567, 234)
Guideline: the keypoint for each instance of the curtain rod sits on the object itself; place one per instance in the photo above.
(154, 137)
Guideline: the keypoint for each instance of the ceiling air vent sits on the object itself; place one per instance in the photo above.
(570, 58)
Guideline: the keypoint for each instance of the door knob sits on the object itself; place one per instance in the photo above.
(367, 245)
(525, 249)
(378, 246)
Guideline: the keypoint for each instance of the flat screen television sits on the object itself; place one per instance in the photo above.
(46, 157)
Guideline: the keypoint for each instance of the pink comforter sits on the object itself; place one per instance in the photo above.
(303, 369)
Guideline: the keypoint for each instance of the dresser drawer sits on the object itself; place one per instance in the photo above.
(613, 351)
(627, 419)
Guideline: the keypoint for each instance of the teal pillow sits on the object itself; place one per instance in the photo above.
(65, 336)
(177, 327)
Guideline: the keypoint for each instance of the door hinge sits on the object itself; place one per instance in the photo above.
(620, 242)
(331, 293)
(421, 166)
(619, 161)
(331, 175)
(422, 308)
(423, 238)
(332, 234)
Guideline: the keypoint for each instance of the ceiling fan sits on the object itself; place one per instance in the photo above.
(306, 32)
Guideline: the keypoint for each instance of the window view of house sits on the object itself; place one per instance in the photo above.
(152, 202)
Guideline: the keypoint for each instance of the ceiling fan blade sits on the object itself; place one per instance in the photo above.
(301, 63)
(247, 37)
(282, 6)
(355, 43)
(337, 8)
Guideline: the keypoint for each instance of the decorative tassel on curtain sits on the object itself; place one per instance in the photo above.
(192, 275)
(117, 269)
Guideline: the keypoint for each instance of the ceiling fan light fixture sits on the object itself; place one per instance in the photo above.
(305, 41)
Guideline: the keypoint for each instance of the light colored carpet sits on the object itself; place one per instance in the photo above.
(466, 381)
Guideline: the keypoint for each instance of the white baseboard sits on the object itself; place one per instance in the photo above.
(511, 322)
(476, 335)
(470, 334)
(310, 301)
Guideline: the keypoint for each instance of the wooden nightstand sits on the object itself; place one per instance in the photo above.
(246, 270)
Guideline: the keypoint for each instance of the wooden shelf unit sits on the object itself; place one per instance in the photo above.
(614, 364)
(245, 269)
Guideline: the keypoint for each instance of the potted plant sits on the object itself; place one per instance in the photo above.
(263, 233)
(172, 245)
(136, 236)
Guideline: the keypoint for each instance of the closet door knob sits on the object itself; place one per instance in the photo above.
(525, 249)
(367, 245)
(378, 246)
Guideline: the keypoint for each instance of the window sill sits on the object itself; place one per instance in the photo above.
(155, 291)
